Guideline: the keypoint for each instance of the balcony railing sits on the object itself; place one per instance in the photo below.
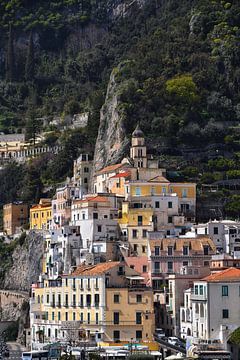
(195, 297)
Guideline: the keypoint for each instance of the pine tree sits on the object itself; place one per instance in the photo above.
(10, 61)
(30, 63)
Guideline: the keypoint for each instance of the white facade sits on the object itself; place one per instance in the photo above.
(186, 315)
(224, 233)
(97, 221)
(215, 309)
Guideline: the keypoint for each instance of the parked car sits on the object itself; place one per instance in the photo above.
(160, 333)
(173, 340)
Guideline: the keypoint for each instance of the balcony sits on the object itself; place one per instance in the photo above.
(58, 305)
(66, 305)
(81, 305)
(73, 304)
(52, 304)
(195, 297)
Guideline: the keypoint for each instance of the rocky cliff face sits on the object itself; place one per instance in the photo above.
(26, 265)
(112, 140)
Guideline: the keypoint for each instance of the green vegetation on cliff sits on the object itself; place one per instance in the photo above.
(180, 79)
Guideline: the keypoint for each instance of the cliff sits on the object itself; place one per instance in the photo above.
(112, 141)
(26, 264)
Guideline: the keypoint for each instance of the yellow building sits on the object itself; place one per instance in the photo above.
(135, 224)
(41, 215)
(160, 186)
(85, 305)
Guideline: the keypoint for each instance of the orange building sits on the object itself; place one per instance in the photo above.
(15, 215)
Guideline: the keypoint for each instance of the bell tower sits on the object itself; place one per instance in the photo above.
(138, 151)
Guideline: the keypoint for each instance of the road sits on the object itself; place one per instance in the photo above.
(168, 346)
(15, 351)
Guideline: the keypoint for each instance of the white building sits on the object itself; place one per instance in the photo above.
(97, 218)
(224, 233)
(216, 306)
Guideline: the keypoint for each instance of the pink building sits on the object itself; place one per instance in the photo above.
(169, 256)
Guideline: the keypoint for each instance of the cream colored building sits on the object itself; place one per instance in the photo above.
(103, 302)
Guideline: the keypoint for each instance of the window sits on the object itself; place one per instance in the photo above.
(99, 228)
(196, 290)
(66, 316)
(138, 335)
(157, 250)
(85, 180)
(143, 249)
(206, 263)
(215, 230)
(170, 250)
(201, 290)
(157, 204)
(157, 267)
(185, 250)
(132, 267)
(116, 298)
(225, 314)
(97, 299)
(74, 316)
(135, 247)
(138, 191)
(116, 318)
(88, 318)
(134, 233)
(88, 300)
(66, 300)
(185, 263)
(170, 266)
(59, 316)
(138, 318)
(81, 317)
(139, 298)
(49, 333)
(164, 190)
(116, 335)
(47, 299)
(140, 220)
(86, 170)
(184, 193)
(170, 219)
(53, 315)
(144, 233)
(144, 268)
(170, 204)
(95, 216)
(224, 290)
(96, 318)
(205, 250)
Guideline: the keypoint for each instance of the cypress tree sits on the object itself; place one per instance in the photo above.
(29, 68)
(10, 61)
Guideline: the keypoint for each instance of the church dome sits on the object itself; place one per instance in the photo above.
(138, 132)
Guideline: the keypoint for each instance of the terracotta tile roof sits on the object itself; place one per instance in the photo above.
(98, 269)
(39, 206)
(160, 179)
(196, 244)
(96, 198)
(122, 174)
(230, 274)
(110, 168)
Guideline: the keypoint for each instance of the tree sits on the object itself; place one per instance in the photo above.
(32, 126)
(183, 89)
(10, 61)
(30, 63)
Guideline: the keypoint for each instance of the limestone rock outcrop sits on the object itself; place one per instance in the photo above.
(26, 266)
(112, 141)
